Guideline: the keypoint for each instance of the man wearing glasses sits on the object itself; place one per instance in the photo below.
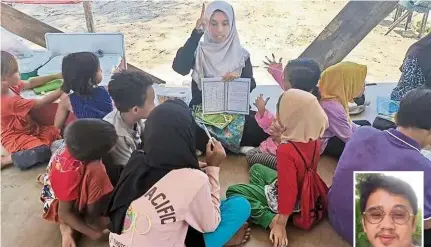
(389, 207)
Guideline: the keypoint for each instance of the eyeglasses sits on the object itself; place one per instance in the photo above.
(400, 215)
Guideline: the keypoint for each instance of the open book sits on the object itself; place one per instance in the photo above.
(225, 97)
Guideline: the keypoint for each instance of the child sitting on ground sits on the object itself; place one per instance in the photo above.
(301, 73)
(339, 85)
(76, 184)
(27, 142)
(274, 195)
(133, 96)
(82, 73)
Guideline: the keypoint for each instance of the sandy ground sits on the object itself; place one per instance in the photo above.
(154, 30)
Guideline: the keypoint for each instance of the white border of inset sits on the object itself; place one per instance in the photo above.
(388, 173)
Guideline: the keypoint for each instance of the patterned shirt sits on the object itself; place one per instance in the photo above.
(412, 77)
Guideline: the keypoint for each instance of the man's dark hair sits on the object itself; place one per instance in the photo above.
(390, 184)
(90, 139)
(303, 74)
(415, 109)
(129, 89)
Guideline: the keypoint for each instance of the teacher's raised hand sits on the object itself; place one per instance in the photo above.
(201, 22)
(230, 76)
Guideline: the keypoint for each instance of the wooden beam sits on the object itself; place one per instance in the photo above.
(34, 30)
(88, 14)
(346, 30)
(24, 25)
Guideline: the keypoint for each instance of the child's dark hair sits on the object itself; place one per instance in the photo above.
(390, 184)
(79, 72)
(90, 139)
(415, 110)
(303, 74)
(129, 89)
(9, 64)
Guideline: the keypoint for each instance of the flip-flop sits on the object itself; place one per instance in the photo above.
(39, 178)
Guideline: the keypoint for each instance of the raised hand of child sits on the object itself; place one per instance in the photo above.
(215, 153)
(201, 22)
(260, 104)
(272, 63)
(230, 76)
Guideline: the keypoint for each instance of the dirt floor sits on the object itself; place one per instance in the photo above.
(22, 225)
(154, 30)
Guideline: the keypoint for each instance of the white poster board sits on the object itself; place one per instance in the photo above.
(109, 47)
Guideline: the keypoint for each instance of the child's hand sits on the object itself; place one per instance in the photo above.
(230, 76)
(260, 104)
(202, 164)
(275, 130)
(278, 235)
(272, 63)
(215, 154)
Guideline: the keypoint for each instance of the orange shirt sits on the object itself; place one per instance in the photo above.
(18, 130)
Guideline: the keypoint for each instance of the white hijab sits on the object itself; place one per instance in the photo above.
(216, 59)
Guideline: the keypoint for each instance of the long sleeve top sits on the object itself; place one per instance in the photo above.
(184, 62)
(162, 215)
(268, 146)
(339, 125)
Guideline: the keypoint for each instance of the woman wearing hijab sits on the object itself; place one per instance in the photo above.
(415, 73)
(219, 54)
(339, 85)
(416, 68)
(300, 147)
(163, 195)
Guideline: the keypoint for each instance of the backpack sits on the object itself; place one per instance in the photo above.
(313, 197)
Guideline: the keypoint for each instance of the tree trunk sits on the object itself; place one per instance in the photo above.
(346, 30)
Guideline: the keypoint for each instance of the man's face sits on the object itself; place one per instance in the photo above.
(396, 226)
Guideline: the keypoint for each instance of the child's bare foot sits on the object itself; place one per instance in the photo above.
(6, 160)
(67, 236)
(240, 237)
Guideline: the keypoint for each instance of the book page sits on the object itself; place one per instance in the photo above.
(213, 96)
(238, 96)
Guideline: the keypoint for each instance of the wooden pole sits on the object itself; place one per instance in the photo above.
(34, 30)
(346, 30)
(24, 25)
(88, 13)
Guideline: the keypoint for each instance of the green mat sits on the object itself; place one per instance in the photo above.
(49, 86)
(220, 120)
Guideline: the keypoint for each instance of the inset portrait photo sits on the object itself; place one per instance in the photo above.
(388, 209)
